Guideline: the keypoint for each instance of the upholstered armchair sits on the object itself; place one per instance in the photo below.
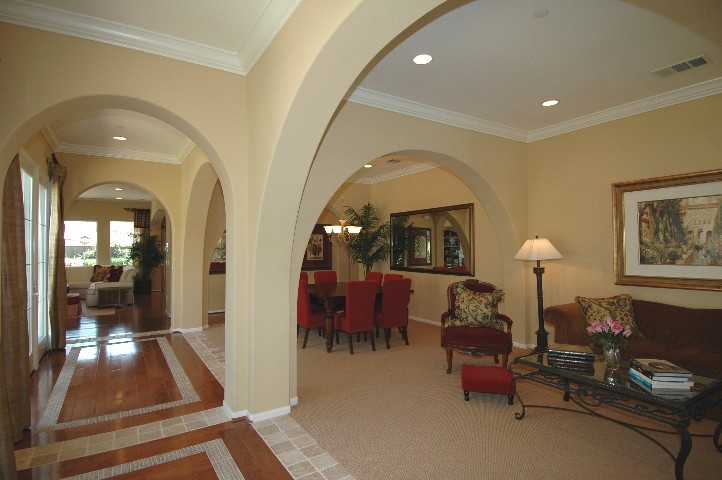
(472, 323)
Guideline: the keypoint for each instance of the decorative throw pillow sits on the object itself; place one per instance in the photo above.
(115, 274)
(618, 307)
(100, 272)
(475, 309)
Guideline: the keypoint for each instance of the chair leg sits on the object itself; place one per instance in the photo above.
(387, 334)
(449, 355)
(373, 342)
(305, 337)
(377, 332)
(404, 334)
(496, 358)
(504, 360)
(350, 343)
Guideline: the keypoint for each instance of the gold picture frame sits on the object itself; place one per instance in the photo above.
(668, 231)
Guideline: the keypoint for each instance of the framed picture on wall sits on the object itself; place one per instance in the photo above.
(318, 251)
(668, 231)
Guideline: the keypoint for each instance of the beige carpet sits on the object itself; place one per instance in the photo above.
(396, 414)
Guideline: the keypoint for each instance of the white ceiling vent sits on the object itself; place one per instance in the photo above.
(683, 66)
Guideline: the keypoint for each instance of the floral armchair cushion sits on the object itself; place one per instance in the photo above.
(618, 307)
(474, 309)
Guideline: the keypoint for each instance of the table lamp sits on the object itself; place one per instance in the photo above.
(538, 249)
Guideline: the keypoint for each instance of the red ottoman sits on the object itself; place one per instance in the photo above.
(483, 379)
(73, 304)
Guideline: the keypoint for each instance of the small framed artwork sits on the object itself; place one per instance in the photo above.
(668, 231)
(419, 246)
(318, 251)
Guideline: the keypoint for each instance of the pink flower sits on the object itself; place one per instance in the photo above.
(608, 320)
(628, 331)
(617, 328)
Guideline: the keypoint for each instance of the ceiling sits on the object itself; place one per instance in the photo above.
(494, 62)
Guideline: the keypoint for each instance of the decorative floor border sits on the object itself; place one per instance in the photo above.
(221, 460)
(49, 421)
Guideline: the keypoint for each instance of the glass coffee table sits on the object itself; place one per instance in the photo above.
(600, 386)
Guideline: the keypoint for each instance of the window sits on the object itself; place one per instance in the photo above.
(121, 238)
(81, 243)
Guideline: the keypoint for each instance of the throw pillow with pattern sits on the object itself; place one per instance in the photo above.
(618, 307)
(475, 309)
(100, 272)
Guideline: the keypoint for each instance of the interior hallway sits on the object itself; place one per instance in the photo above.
(129, 399)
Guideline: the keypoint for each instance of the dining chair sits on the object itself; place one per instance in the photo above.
(394, 309)
(392, 276)
(358, 317)
(325, 276)
(375, 276)
(307, 317)
(304, 275)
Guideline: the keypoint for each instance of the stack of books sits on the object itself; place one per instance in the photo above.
(660, 376)
(576, 358)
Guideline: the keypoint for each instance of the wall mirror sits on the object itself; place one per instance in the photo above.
(434, 240)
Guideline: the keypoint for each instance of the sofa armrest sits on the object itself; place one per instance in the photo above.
(103, 285)
(78, 285)
(569, 323)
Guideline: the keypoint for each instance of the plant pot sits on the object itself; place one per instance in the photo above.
(142, 286)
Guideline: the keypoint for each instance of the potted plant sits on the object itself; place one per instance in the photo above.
(371, 245)
(146, 254)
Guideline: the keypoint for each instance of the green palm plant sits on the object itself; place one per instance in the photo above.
(371, 245)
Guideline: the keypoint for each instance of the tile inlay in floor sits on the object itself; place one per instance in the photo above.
(49, 420)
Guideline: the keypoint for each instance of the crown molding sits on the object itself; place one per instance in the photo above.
(90, 28)
(270, 22)
(51, 135)
(420, 167)
(682, 95)
(399, 105)
(372, 98)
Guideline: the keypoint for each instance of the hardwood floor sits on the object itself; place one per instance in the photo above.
(138, 397)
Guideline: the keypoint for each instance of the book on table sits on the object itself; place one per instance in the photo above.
(571, 352)
(584, 367)
(656, 368)
(655, 384)
(663, 393)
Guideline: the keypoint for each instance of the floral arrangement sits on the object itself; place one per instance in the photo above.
(609, 332)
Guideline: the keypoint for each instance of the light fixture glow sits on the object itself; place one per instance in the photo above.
(119, 198)
(368, 165)
(422, 59)
(118, 189)
(550, 103)
(118, 137)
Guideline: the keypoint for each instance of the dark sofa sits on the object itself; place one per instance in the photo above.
(689, 337)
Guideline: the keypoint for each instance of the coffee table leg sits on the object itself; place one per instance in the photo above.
(567, 392)
(330, 306)
(684, 449)
(715, 438)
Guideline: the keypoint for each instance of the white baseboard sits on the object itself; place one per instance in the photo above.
(188, 330)
(425, 320)
(228, 411)
(294, 401)
(276, 412)
(216, 311)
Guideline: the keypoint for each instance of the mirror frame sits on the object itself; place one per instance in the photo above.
(426, 236)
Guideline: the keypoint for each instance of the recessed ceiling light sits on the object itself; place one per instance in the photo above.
(422, 59)
(368, 165)
(120, 138)
(541, 13)
(119, 198)
(550, 103)
(118, 189)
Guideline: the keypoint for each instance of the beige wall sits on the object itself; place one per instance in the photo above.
(570, 192)
(280, 158)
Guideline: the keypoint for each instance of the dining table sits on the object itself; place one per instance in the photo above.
(333, 296)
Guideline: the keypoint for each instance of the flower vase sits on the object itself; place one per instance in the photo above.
(612, 356)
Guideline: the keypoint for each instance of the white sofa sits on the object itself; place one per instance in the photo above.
(125, 282)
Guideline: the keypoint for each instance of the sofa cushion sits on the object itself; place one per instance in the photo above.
(114, 274)
(100, 272)
(475, 309)
(618, 307)
(128, 273)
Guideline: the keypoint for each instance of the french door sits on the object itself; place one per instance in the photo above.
(35, 200)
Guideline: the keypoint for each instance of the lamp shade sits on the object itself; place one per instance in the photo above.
(536, 249)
